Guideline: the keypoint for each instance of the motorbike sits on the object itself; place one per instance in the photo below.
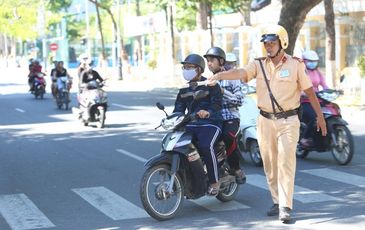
(339, 139)
(93, 102)
(247, 140)
(39, 86)
(63, 92)
(179, 170)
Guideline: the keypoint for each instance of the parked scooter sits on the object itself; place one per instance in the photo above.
(247, 139)
(179, 171)
(93, 102)
(39, 86)
(339, 139)
(63, 92)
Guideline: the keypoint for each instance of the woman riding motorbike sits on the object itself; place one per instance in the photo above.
(311, 60)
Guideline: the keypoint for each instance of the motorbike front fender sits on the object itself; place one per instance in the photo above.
(163, 158)
(333, 121)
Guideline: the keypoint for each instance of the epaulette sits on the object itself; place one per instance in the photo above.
(260, 58)
(298, 59)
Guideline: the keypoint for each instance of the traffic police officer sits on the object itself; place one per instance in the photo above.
(280, 78)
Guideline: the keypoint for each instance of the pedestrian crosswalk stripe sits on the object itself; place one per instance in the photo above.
(109, 203)
(214, 205)
(21, 213)
(301, 194)
(339, 176)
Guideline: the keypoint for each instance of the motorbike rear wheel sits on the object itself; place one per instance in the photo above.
(254, 151)
(343, 151)
(301, 153)
(158, 202)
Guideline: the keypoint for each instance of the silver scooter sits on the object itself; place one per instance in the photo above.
(247, 139)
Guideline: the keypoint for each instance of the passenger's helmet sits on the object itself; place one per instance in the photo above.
(310, 55)
(195, 59)
(311, 59)
(231, 57)
(273, 32)
(216, 52)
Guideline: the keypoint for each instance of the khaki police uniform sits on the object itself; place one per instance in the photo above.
(278, 138)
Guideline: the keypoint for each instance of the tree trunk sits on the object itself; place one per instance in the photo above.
(103, 53)
(292, 18)
(330, 43)
(202, 16)
(171, 20)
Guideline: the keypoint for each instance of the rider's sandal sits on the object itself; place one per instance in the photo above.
(213, 191)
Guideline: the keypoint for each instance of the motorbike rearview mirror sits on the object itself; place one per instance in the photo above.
(161, 107)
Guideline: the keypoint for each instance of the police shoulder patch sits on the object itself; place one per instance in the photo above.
(298, 59)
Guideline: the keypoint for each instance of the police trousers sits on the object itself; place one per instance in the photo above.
(278, 140)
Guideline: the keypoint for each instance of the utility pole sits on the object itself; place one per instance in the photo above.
(119, 50)
(87, 28)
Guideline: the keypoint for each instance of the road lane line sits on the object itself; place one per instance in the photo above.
(121, 106)
(125, 152)
(109, 203)
(301, 194)
(20, 110)
(21, 213)
(339, 176)
(215, 205)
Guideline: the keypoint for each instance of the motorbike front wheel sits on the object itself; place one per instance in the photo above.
(343, 150)
(254, 151)
(158, 202)
(101, 118)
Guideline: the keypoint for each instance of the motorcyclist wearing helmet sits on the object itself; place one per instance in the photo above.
(280, 80)
(311, 60)
(206, 129)
(60, 72)
(232, 99)
(88, 75)
(34, 69)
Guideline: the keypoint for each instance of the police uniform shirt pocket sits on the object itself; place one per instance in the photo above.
(285, 76)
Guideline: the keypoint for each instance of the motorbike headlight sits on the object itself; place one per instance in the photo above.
(170, 122)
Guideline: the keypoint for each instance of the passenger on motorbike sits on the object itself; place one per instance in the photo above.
(57, 74)
(311, 60)
(206, 129)
(54, 80)
(232, 99)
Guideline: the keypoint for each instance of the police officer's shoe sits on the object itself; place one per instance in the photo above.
(284, 214)
(274, 210)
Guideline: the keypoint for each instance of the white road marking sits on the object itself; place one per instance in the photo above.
(301, 194)
(111, 204)
(20, 110)
(21, 213)
(339, 176)
(121, 106)
(141, 159)
(214, 205)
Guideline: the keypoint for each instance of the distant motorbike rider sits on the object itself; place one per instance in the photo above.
(232, 99)
(207, 128)
(34, 69)
(88, 76)
(59, 72)
(311, 60)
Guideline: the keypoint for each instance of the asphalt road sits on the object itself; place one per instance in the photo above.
(58, 174)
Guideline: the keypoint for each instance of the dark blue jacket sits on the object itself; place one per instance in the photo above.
(212, 103)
